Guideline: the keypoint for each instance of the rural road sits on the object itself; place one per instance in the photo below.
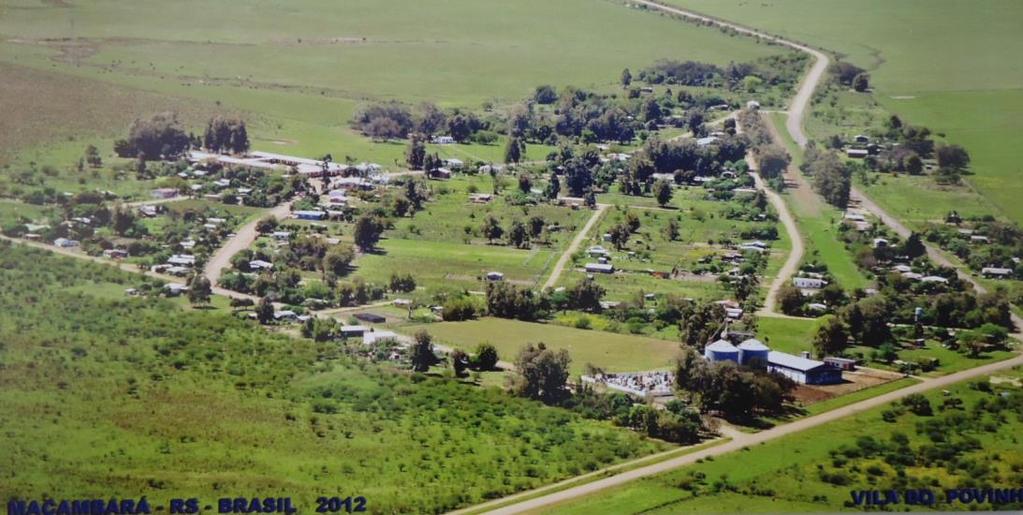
(127, 267)
(241, 240)
(741, 440)
(791, 265)
(559, 267)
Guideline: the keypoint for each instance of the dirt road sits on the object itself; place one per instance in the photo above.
(791, 265)
(241, 240)
(559, 267)
(741, 440)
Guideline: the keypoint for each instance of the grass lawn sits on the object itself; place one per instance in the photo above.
(791, 335)
(612, 352)
(784, 475)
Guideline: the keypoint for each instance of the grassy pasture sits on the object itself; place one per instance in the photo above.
(789, 468)
(298, 70)
(612, 352)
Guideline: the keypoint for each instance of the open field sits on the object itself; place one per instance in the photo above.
(299, 71)
(127, 395)
(612, 352)
(951, 72)
(811, 471)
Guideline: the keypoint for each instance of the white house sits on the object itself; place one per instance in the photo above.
(379, 336)
(443, 140)
(65, 243)
(995, 271)
(259, 264)
(454, 164)
(808, 283)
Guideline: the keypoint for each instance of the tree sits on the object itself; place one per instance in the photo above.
(773, 161)
(486, 357)
(918, 405)
(525, 183)
(199, 290)
(517, 236)
(513, 150)
(861, 82)
(226, 135)
(831, 337)
(492, 228)
(651, 110)
(459, 362)
(123, 220)
(92, 156)
(914, 246)
(789, 299)
(663, 192)
(553, 187)
(337, 260)
(367, 232)
(626, 78)
(953, 157)
(266, 225)
(265, 311)
(421, 353)
(620, 235)
(545, 94)
(671, 230)
(415, 153)
(541, 373)
(586, 295)
(160, 135)
(536, 226)
(914, 165)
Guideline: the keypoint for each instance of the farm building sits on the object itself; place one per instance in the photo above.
(443, 140)
(602, 268)
(802, 369)
(454, 164)
(857, 153)
(752, 351)
(441, 173)
(721, 350)
(115, 253)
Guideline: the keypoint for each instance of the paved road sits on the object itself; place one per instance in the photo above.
(574, 246)
(241, 240)
(740, 440)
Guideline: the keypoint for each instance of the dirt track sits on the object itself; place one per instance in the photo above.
(559, 267)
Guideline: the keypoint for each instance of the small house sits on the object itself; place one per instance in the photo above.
(597, 251)
(841, 363)
(454, 164)
(443, 140)
(602, 268)
(441, 173)
(857, 153)
(373, 337)
(353, 331)
(164, 193)
(480, 198)
(115, 253)
(259, 264)
(310, 215)
(65, 243)
(808, 283)
(281, 235)
(996, 272)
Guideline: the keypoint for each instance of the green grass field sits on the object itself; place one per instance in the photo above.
(785, 475)
(612, 352)
(297, 71)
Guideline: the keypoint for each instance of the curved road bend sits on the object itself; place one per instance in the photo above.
(241, 240)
